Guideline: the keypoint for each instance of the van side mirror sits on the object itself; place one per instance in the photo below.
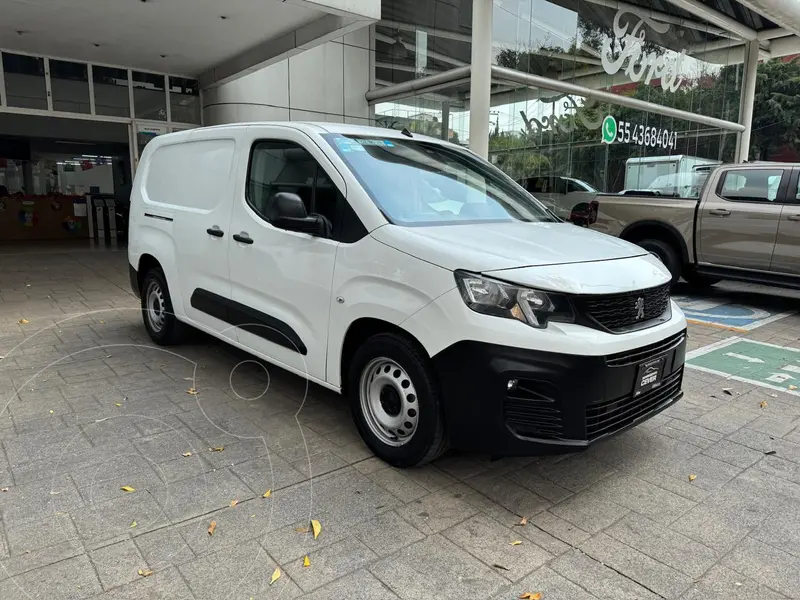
(287, 211)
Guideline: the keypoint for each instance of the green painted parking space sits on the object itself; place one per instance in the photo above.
(766, 365)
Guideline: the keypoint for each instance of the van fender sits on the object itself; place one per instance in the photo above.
(393, 302)
(160, 244)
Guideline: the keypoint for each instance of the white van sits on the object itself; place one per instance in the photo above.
(448, 305)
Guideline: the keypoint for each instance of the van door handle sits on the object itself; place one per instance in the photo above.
(719, 212)
(243, 237)
(215, 231)
(794, 217)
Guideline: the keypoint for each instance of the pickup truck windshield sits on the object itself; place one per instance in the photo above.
(414, 182)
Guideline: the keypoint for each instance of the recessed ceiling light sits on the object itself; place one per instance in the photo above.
(21, 32)
(163, 56)
(223, 17)
(96, 45)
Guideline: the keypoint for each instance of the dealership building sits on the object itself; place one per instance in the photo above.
(572, 92)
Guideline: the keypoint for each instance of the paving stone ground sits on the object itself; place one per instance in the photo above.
(90, 406)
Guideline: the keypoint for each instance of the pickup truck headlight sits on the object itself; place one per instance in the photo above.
(499, 299)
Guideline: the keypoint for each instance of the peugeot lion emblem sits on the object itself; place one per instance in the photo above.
(639, 306)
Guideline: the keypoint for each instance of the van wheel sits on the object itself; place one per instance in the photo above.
(664, 252)
(394, 396)
(159, 319)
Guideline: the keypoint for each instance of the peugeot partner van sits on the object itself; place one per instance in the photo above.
(440, 297)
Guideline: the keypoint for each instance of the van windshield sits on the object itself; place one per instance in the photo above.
(415, 182)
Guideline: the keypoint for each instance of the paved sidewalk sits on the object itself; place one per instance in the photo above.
(100, 408)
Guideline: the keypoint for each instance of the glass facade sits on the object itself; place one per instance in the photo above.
(24, 81)
(77, 88)
(69, 86)
(559, 144)
(111, 96)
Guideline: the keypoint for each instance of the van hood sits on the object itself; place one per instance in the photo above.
(481, 247)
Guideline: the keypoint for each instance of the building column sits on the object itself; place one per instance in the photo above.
(747, 100)
(480, 86)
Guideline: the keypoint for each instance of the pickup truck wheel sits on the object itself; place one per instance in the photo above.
(394, 397)
(664, 252)
(159, 319)
(697, 280)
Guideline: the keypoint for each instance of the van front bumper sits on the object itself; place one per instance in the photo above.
(510, 401)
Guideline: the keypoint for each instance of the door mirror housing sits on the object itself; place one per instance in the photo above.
(287, 211)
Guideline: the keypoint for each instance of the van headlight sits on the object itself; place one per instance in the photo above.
(499, 299)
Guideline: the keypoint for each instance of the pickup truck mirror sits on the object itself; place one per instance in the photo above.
(287, 211)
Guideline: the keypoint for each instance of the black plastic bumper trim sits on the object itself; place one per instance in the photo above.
(559, 395)
(133, 274)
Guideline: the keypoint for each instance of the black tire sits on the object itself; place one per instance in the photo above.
(171, 331)
(700, 281)
(428, 440)
(667, 254)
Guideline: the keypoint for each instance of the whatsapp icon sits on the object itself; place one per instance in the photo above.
(609, 130)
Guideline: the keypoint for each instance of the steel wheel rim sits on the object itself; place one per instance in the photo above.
(389, 402)
(155, 305)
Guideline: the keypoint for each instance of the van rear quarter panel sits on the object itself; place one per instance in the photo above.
(618, 214)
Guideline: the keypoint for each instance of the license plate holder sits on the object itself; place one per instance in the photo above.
(649, 375)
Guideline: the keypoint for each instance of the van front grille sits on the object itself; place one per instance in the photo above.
(631, 310)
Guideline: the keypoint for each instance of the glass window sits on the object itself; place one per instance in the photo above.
(69, 84)
(24, 77)
(757, 185)
(111, 91)
(149, 96)
(184, 100)
(420, 183)
(286, 167)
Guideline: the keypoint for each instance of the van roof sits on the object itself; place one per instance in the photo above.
(322, 128)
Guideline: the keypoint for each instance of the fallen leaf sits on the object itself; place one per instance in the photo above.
(773, 395)
(792, 387)
(217, 449)
(530, 596)
(727, 391)
(768, 453)
(5, 489)
(191, 391)
(316, 527)
(187, 454)
(133, 525)
(23, 321)
(302, 529)
(523, 521)
(496, 566)
(692, 477)
(234, 503)
(52, 412)
(127, 488)
(102, 322)
(145, 572)
(276, 574)
(212, 528)
(516, 542)
(117, 404)
(306, 562)
(763, 404)
(267, 494)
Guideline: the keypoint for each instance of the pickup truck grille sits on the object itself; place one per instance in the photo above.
(628, 311)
